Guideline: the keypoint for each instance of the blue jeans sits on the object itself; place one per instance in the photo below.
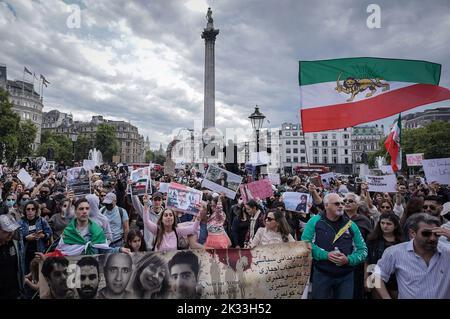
(327, 287)
(203, 234)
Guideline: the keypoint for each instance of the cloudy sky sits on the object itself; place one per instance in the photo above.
(142, 61)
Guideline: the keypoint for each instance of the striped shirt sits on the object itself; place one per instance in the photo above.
(415, 279)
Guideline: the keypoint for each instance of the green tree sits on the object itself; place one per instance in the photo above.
(106, 141)
(82, 147)
(27, 135)
(430, 140)
(149, 156)
(61, 145)
(155, 157)
(9, 126)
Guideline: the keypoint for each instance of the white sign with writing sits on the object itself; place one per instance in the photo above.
(414, 159)
(260, 158)
(89, 165)
(386, 183)
(274, 179)
(24, 177)
(437, 170)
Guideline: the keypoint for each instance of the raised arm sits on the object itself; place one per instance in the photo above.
(151, 226)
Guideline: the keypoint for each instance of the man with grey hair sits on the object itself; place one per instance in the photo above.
(421, 265)
(351, 201)
(337, 247)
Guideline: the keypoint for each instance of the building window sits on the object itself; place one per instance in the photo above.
(295, 150)
(302, 151)
(303, 159)
(346, 151)
(288, 159)
(324, 136)
(302, 142)
(346, 160)
(334, 151)
(295, 159)
(315, 151)
(288, 151)
(345, 143)
(294, 133)
(334, 160)
(288, 142)
(346, 136)
(295, 142)
(315, 136)
(333, 136)
(333, 143)
(325, 143)
(324, 151)
(325, 160)
(315, 159)
(288, 133)
(315, 143)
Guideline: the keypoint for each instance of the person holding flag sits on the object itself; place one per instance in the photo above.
(393, 143)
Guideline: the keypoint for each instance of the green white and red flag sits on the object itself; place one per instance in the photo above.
(342, 93)
(393, 145)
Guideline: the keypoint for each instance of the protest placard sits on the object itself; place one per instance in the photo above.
(78, 181)
(183, 198)
(274, 178)
(385, 183)
(297, 202)
(141, 181)
(260, 189)
(219, 180)
(276, 271)
(327, 178)
(437, 170)
(89, 165)
(414, 159)
(24, 177)
(386, 169)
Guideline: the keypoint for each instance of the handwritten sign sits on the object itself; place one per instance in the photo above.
(277, 271)
(259, 189)
(414, 159)
(24, 177)
(386, 183)
(437, 170)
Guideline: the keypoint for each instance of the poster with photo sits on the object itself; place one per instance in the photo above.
(183, 198)
(296, 202)
(277, 271)
(141, 181)
(78, 181)
(219, 180)
(261, 189)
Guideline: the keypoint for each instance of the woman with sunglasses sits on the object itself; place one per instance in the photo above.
(276, 231)
(387, 233)
(35, 232)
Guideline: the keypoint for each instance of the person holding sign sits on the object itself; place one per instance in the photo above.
(337, 247)
(166, 231)
(217, 237)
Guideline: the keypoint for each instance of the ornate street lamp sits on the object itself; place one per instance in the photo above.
(257, 120)
(74, 137)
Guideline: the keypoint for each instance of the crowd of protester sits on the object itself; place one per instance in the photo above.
(364, 244)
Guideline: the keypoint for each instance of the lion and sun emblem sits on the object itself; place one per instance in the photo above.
(354, 86)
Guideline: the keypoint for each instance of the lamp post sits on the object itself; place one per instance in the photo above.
(73, 137)
(257, 120)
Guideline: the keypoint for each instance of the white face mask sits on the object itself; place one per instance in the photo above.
(240, 201)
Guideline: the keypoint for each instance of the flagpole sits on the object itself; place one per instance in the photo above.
(23, 82)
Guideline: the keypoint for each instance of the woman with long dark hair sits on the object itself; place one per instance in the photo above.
(277, 230)
(151, 278)
(387, 233)
(135, 241)
(239, 229)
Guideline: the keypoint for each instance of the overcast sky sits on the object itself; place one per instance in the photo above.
(143, 61)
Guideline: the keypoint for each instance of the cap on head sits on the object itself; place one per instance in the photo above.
(109, 198)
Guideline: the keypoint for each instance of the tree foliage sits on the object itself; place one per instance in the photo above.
(155, 157)
(430, 140)
(82, 147)
(61, 145)
(27, 135)
(106, 141)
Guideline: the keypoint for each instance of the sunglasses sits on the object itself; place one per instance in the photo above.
(31, 209)
(350, 201)
(386, 207)
(427, 233)
(429, 206)
(157, 199)
(270, 219)
(338, 203)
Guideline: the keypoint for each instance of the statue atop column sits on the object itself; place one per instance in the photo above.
(209, 19)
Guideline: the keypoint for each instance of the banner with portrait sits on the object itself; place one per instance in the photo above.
(278, 271)
(78, 181)
(141, 181)
(183, 198)
(296, 201)
(219, 180)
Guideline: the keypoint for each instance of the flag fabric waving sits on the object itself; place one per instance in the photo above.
(44, 80)
(393, 145)
(27, 71)
(346, 92)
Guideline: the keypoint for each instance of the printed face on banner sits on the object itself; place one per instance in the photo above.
(277, 271)
(296, 201)
(183, 198)
(78, 181)
(220, 180)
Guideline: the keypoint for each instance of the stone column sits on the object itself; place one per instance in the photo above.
(209, 34)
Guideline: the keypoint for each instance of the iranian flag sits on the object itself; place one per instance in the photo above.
(343, 93)
(392, 145)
